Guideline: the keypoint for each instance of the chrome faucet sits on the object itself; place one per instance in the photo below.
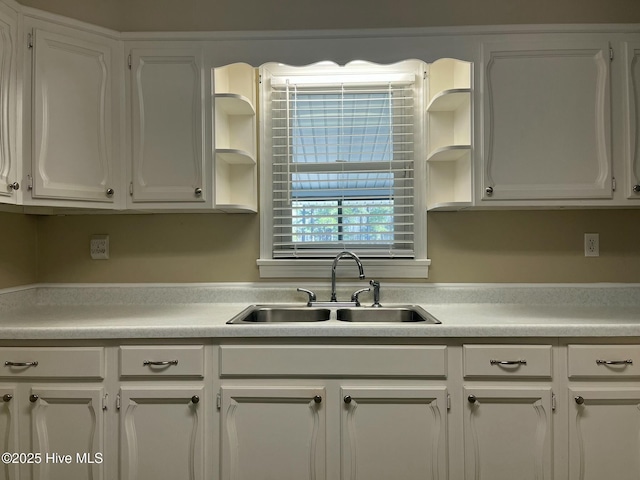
(334, 297)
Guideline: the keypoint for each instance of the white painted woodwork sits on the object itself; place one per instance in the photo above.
(72, 156)
(8, 165)
(484, 360)
(398, 432)
(604, 433)
(183, 360)
(67, 420)
(162, 432)
(8, 429)
(327, 360)
(235, 137)
(168, 126)
(632, 125)
(546, 120)
(591, 361)
(65, 362)
(507, 433)
(272, 433)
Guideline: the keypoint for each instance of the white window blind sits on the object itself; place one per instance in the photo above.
(343, 166)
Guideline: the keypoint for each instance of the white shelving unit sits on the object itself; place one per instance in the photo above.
(449, 135)
(236, 165)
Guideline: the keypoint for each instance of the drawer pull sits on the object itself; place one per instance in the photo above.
(508, 362)
(162, 363)
(614, 362)
(7, 397)
(20, 364)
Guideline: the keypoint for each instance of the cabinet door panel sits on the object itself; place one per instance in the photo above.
(168, 125)
(68, 420)
(604, 434)
(632, 125)
(8, 26)
(546, 120)
(8, 430)
(273, 433)
(391, 432)
(507, 434)
(72, 118)
(161, 433)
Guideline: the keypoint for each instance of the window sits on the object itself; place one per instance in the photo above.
(338, 164)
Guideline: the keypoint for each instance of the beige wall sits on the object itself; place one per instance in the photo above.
(205, 15)
(500, 246)
(18, 250)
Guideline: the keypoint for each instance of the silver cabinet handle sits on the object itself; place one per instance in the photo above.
(7, 397)
(347, 399)
(508, 362)
(488, 191)
(317, 399)
(195, 399)
(33, 398)
(110, 192)
(579, 400)
(14, 186)
(614, 362)
(164, 362)
(20, 364)
(636, 188)
(472, 399)
(198, 191)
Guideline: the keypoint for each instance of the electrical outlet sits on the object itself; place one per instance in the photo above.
(99, 246)
(591, 245)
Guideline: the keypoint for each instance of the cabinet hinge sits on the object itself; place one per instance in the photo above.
(29, 40)
(131, 189)
(424, 75)
(553, 401)
(218, 402)
(118, 402)
(613, 184)
(448, 401)
(129, 61)
(29, 182)
(260, 79)
(611, 55)
(104, 401)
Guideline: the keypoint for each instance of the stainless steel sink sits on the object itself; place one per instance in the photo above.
(396, 314)
(280, 314)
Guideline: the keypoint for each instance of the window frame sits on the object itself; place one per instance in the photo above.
(271, 267)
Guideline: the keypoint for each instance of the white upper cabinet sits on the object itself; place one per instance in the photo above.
(632, 125)
(545, 122)
(170, 140)
(72, 143)
(8, 167)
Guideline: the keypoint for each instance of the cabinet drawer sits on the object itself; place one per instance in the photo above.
(604, 361)
(162, 360)
(507, 360)
(62, 362)
(327, 360)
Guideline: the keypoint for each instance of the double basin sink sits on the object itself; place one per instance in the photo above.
(258, 314)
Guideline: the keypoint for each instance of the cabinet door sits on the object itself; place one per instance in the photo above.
(546, 120)
(273, 433)
(9, 429)
(168, 131)
(8, 27)
(161, 433)
(394, 432)
(632, 125)
(507, 434)
(604, 433)
(72, 119)
(67, 420)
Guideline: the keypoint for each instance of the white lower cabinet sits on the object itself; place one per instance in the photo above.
(9, 426)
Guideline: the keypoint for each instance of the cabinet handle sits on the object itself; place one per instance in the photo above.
(472, 399)
(20, 364)
(579, 400)
(198, 191)
(614, 362)
(195, 399)
(14, 186)
(7, 397)
(347, 399)
(508, 362)
(33, 398)
(317, 399)
(110, 192)
(488, 191)
(636, 188)
(161, 363)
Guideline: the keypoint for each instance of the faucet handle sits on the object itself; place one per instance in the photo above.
(312, 296)
(354, 296)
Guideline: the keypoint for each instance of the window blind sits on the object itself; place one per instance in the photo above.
(343, 155)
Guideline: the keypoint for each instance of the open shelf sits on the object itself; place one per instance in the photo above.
(448, 153)
(449, 100)
(234, 104)
(235, 157)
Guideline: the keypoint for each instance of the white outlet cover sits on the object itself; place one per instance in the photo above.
(591, 245)
(99, 247)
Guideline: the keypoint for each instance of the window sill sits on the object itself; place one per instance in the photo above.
(321, 268)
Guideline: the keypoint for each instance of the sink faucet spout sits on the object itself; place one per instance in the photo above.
(333, 271)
